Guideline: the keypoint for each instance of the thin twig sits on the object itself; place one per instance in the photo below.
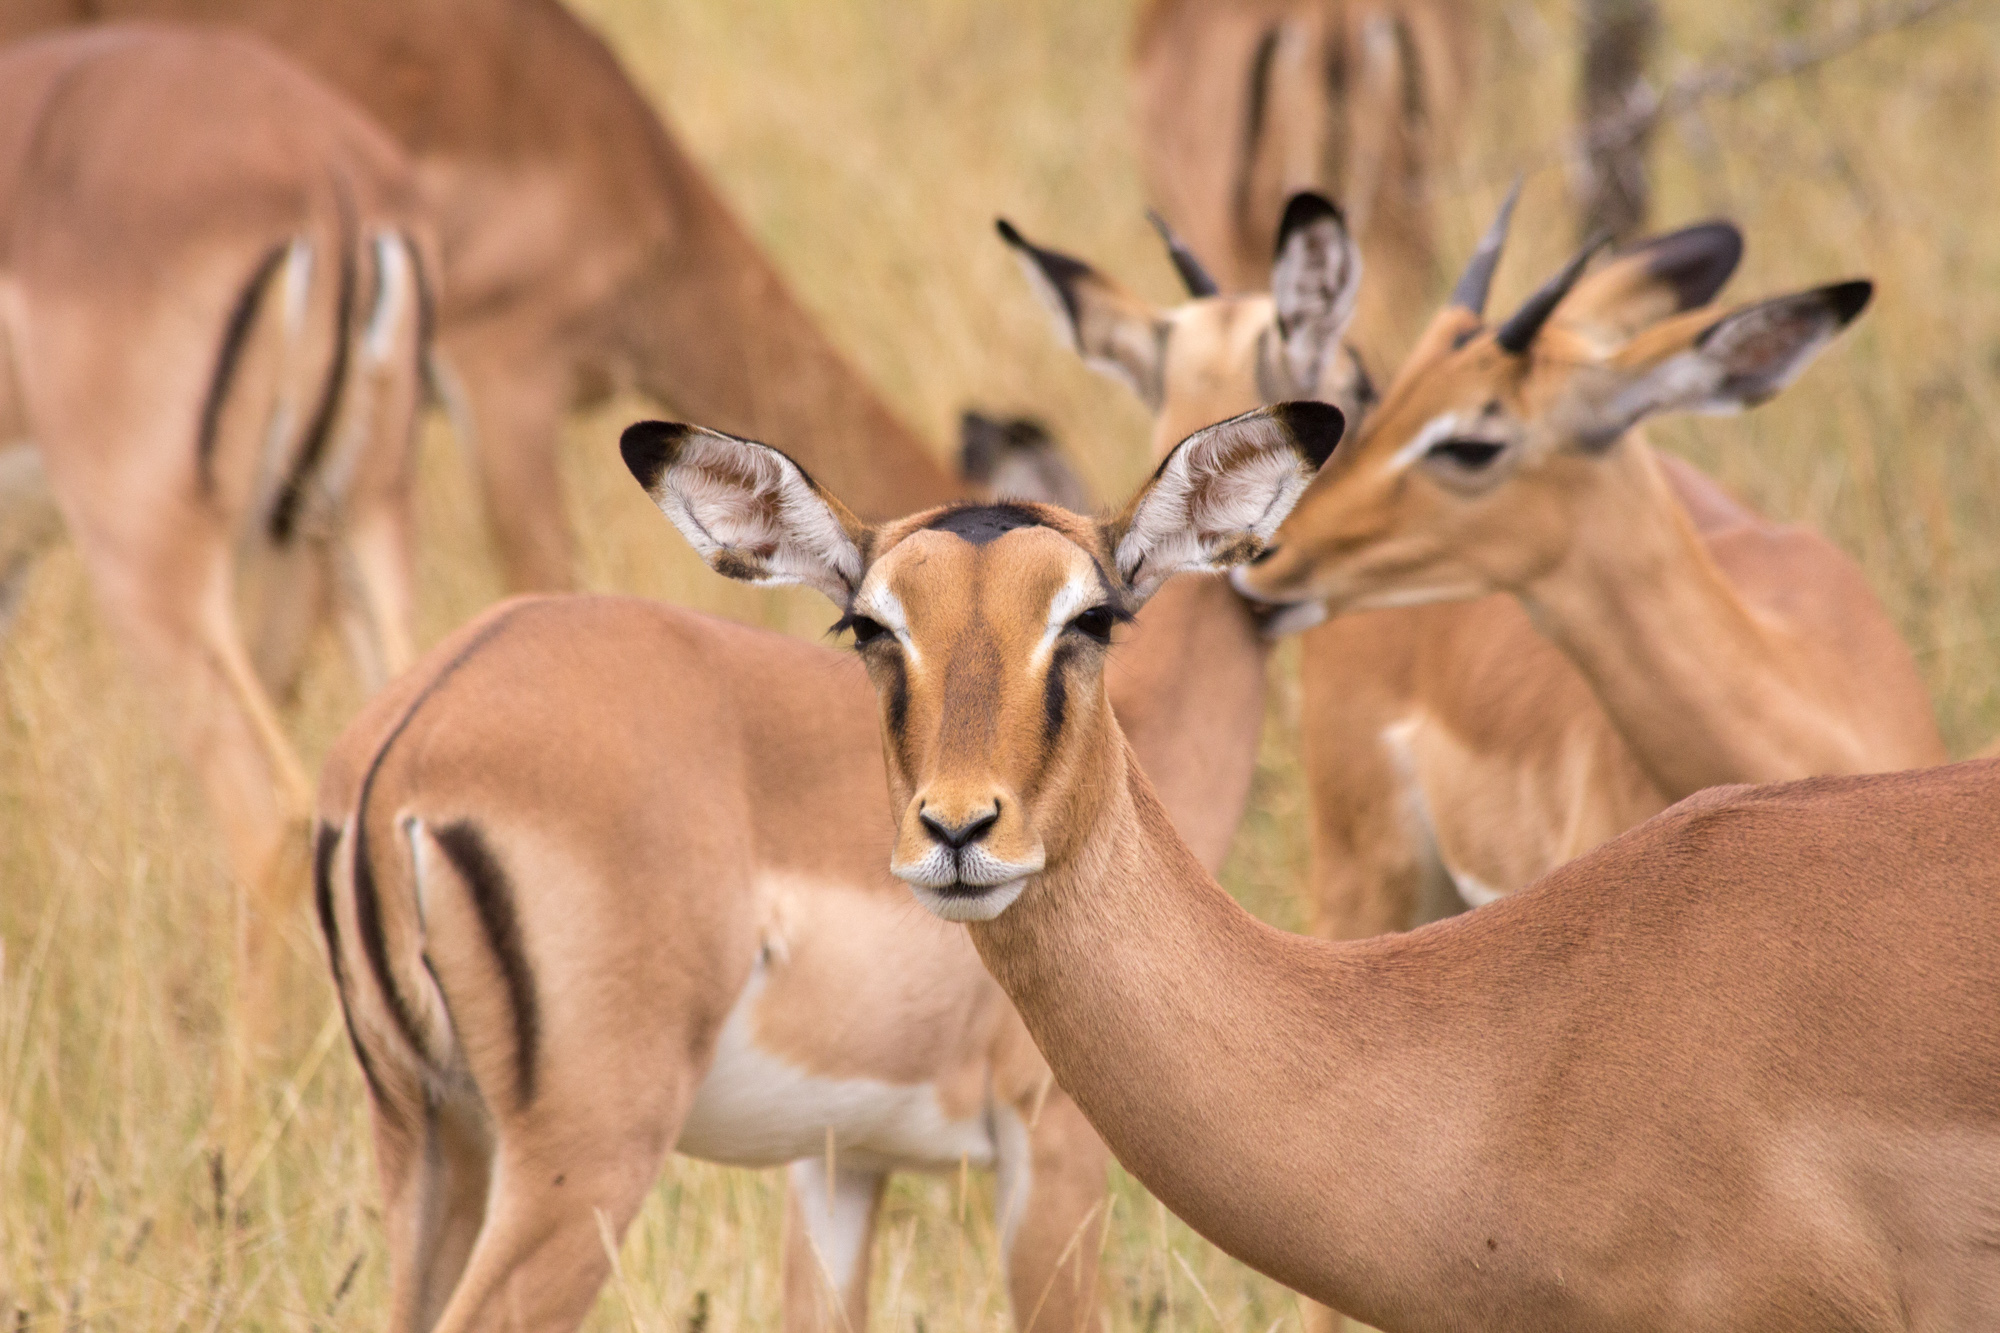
(1783, 58)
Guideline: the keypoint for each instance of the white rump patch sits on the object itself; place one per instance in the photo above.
(735, 498)
(298, 285)
(394, 280)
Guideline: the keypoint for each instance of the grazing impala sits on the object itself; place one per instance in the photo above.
(583, 251)
(211, 322)
(1242, 103)
(1735, 1070)
(1708, 645)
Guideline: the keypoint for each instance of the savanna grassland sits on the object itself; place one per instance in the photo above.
(869, 144)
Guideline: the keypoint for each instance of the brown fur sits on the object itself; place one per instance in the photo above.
(1734, 1070)
(1690, 642)
(693, 794)
(1240, 103)
(152, 182)
(583, 249)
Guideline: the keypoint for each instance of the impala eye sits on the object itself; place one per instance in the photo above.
(866, 631)
(1469, 455)
(1096, 623)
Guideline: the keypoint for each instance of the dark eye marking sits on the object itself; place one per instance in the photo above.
(1096, 623)
(1469, 454)
(866, 631)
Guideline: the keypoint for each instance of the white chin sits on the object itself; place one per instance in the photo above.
(968, 903)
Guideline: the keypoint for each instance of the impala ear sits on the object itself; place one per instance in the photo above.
(1114, 331)
(752, 513)
(1315, 281)
(1221, 493)
(1698, 363)
(1652, 280)
(1015, 458)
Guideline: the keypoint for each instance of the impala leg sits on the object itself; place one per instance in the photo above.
(171, 601)
(514, 393)
(377, 605)
(540, 1258)
(829, 1235)
(436, 1168)
(29, 520)
(1052, 1205)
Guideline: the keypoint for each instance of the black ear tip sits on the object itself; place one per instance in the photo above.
(1849, 299)
(1009, 234)
(1696, 261)
(1309, 206)
(648, 446)
(1315, 426)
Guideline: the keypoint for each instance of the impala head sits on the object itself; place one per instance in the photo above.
(1493, 443)
(985, 628)
(1214, 356)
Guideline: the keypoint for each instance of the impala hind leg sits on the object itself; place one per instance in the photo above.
(172, 601)
(829, 1236)
(29, 521)
(1052, 1204)
(436, 1167)
(539, 1260)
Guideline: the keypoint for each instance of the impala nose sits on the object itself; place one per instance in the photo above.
(970, 830)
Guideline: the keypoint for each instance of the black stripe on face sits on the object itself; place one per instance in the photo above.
(898, 695)
(1055, 693)
(493, 898)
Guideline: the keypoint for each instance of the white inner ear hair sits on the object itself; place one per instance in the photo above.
(1315, 283)
(1232, 481)
(744, 500)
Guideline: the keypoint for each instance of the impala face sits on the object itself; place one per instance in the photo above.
(1476, 469)
(985, 628)
(1214, 356)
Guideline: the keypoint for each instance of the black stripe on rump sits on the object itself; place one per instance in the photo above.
(234, 334)
(466, 848)
(1254, 112)
(285, 509)
(367, 900)
(325, 843)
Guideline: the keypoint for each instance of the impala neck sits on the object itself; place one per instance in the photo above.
(1702, 688)
(1257, 1082)
(1187, 681)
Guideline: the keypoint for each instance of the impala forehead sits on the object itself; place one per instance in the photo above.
(935, 586)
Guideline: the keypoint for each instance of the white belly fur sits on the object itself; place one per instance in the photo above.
(753, 1109)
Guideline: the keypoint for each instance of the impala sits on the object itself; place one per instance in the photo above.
(1734, 1070)
(210, 349)
(1454, 753)
(1708, 645)
(583, 251)
(1241, 105)
(1190, 680)
(693, 898)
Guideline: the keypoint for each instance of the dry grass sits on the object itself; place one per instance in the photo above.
(869, 144)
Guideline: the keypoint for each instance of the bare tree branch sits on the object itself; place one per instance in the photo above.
(1615, 133)
(1611, 186)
